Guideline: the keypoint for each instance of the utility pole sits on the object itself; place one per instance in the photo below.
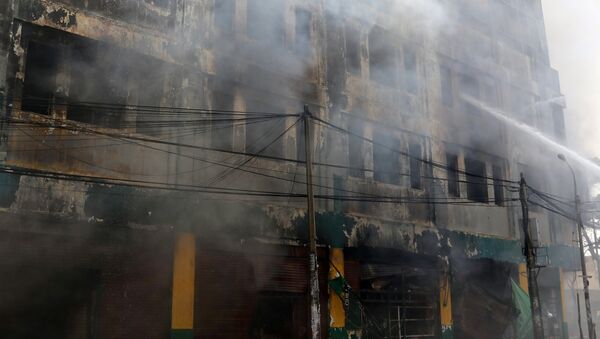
(315, 305)
(530, 254)
(581, 233)
(586, 280)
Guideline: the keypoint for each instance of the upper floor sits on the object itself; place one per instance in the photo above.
(413, 86)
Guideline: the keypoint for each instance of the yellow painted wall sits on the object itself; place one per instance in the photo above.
(523, 282)
(445, 301)
(337, 313)
(184, 266)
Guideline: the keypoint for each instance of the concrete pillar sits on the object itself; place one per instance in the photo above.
(446, 306)
(337, 312)
(184, 270)
(523, 282)
(565, 327)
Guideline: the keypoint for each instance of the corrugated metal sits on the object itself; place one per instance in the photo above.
(352, 274)
(225, 295)
(281, 274)
(231, 285)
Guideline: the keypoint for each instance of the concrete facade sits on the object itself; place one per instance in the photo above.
(423, 90)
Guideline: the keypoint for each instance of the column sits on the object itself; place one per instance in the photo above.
(184, 266)
(523, 282)
(565, 327)
(446, 305)
(336, 282)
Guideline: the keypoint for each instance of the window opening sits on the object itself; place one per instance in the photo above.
(452, 170)
(224, 12)
(40, 78)
(303, 32)
(476, 180)
(416, 163)
(382, 63)
(386, 159)
(498, 186)
(353, 64)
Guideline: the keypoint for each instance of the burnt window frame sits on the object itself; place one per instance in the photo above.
(356, 156)
(378, 40)
(224, 12)
(385, 151)
(453, 183)
(35, 103)
(477, 186)
(498, 180)
(352, 41)
(415, 150)
(410, 67)
(469, 84)
(446, 86)
(303, 46)
(222, 125)
(264, 31)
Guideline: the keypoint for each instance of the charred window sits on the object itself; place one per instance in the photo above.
(40, 78)
(469, 86)
(222, 125)
(447, 88)
(101, 101)
(338, 191)
(353, 64)
(410, 72)
(355, 149)
(386, 159)
(264, 21)
(265, 136)
(382, 61)
(224, 12)
(452, 170)
(416, 164)
(476, 180)
(147, 85)
(498, 185)
(303, 32)
(489, 92)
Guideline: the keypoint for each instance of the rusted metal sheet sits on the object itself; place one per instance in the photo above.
(242, 293)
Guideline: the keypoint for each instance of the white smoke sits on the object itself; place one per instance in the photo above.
(573, 28)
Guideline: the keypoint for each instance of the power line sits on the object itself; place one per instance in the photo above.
(43, 102)
(253, 155)
(143, 184)
(428, 162)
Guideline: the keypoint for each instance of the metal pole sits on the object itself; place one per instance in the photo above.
(530, 254)
(315, 305)
(580, 233)
(586, 281)
(579, 316)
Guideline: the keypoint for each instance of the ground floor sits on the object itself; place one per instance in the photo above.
(103, 282)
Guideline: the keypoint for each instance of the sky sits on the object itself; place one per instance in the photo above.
(573, 32)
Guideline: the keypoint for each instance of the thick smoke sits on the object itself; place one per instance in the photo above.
(573, 28)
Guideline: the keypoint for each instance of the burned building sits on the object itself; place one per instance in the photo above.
(154, 167)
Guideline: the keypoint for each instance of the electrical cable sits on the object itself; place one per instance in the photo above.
(121, 136)
(425, 161)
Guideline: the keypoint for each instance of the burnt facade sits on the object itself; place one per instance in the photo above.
(154, 164)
